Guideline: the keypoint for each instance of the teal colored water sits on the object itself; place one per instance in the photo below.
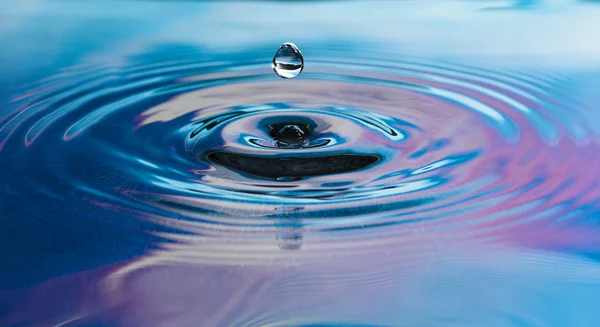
(420, 163)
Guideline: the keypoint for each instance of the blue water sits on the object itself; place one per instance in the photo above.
(434, 164)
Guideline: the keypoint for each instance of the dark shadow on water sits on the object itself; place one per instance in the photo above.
(298, 167)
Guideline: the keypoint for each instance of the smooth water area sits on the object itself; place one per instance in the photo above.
(436, 163)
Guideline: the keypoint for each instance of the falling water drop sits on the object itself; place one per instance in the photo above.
(288, 61)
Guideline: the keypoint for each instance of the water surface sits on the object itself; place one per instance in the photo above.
(435, 164)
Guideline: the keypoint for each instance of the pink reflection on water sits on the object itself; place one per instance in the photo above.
(391, 287)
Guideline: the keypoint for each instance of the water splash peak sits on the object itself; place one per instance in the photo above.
(290, 136)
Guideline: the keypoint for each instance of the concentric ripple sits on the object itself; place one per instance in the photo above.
(359, 152)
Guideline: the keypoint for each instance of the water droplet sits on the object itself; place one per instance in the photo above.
(288, 61)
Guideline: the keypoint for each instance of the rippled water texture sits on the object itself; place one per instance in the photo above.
(435, 164)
